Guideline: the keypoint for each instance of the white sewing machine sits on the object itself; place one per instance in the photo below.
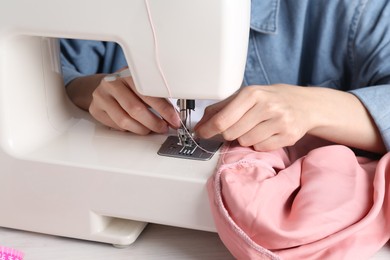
(63, 174)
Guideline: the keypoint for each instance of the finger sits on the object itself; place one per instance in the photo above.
(253, 119)
(103, 118)
(270, 144)
(227, 116)
(116, 116)
(210, 111)
(270, 135)
(165, 109)
(137, 109)
(162, 106)
(258, 133)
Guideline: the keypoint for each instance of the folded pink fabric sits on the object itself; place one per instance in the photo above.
(310, 201)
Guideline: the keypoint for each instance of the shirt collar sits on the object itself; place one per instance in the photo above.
(264, 15)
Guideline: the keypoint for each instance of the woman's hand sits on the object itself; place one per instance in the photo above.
(117, 104)
(271, 117)
(265, 117)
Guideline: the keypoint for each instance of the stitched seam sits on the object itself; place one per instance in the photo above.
(232, 223)
(261, 63)
(272, 27)
(246, 163)
(355, 24)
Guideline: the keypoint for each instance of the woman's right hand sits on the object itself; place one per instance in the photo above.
(117, 104)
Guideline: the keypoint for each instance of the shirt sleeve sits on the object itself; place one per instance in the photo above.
(80, 58)
(371, 67)
(85, 57)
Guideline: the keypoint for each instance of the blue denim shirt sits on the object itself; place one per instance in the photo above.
(82, 57)
(340, 44)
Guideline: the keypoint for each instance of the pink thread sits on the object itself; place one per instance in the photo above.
(156, 50)
(157, 58)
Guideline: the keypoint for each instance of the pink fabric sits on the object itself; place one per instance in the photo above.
(312, 201)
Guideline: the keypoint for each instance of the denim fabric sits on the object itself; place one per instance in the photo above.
(82, 57)
(340, 44)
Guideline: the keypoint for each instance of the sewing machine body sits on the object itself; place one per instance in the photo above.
(62, 173)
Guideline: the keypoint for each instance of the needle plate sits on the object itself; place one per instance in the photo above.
(171, 148)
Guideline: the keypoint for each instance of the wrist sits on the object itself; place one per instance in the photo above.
(80, 90)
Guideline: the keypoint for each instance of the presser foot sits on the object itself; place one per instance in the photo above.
(203, 150)
(185, 138)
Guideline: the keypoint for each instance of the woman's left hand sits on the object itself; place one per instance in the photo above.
(265, 117)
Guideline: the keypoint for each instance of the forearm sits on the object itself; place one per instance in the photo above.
(80, 90)
(340, 117)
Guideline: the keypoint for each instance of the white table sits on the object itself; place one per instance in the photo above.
(156, 242)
